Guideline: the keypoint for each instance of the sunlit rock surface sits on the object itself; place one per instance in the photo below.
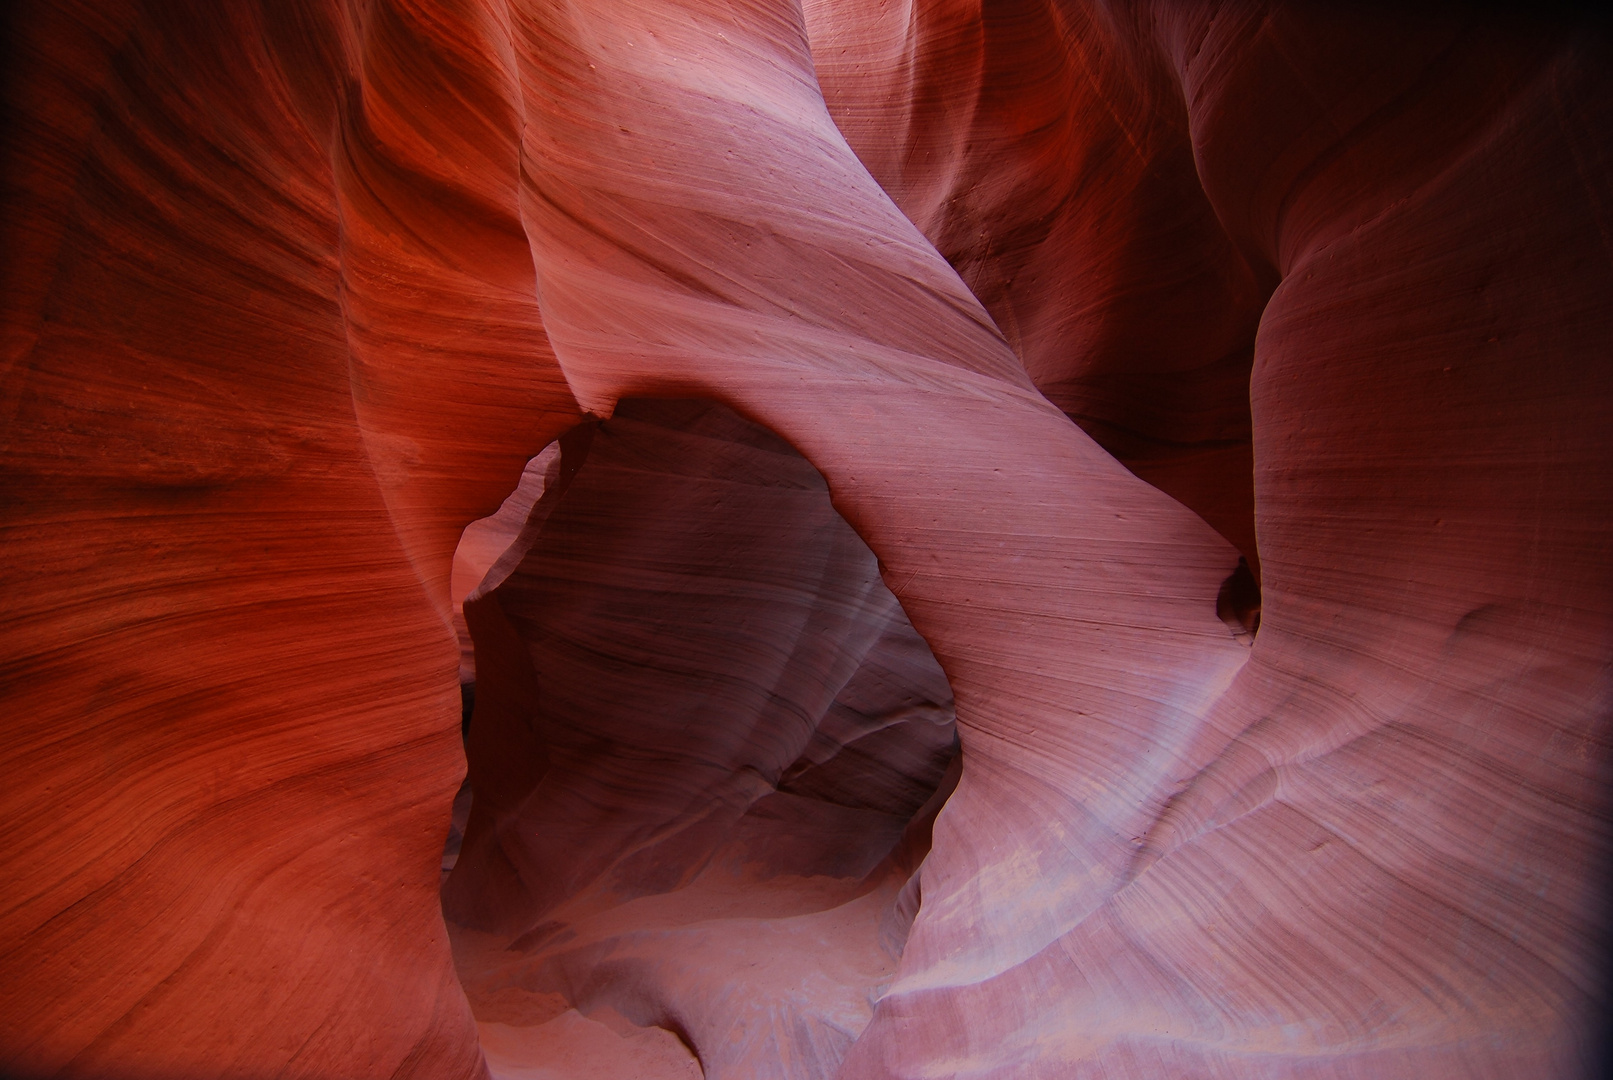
(1065, 306)
(485, 541)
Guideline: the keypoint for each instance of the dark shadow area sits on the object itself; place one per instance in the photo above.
(705, 738)
(1238, 601)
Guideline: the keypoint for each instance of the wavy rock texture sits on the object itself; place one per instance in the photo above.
(1045, 151)
(294, 289)
(272, 343)
(703, 728)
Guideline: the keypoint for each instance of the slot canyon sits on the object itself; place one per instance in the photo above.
(806, 540)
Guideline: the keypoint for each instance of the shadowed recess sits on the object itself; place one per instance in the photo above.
(706, 752)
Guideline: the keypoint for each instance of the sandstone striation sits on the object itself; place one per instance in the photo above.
(881, 340)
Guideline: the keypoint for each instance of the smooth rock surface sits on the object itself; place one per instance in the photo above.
(295, 289)
(575, 1047)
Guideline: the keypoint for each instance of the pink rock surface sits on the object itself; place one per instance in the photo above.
(294, 290)
(575, 1047)
(1043, 148)
(485, 541)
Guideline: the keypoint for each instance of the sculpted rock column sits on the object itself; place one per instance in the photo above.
(1042, 148)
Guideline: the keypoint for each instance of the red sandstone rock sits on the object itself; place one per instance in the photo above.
(264, 290)
(274, 275)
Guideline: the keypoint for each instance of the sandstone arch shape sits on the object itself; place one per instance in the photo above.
(298, 289)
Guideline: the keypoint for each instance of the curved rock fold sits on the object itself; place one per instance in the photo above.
(1073, 544)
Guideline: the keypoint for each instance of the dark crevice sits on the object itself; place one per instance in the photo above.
(1238, 602)
(689, 675)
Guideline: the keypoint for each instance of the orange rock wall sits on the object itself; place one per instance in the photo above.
(240, 242)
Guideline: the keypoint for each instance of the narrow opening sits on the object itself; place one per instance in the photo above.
(705, 749)
(1238, 602)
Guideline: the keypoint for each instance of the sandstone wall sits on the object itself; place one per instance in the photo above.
(293, 290)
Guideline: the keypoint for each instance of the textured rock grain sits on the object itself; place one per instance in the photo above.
(293, 290)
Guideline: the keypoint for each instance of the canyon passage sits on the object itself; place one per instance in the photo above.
(806, 539)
